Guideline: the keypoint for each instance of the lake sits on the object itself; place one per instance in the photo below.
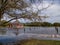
(9, 35)
(36, 30)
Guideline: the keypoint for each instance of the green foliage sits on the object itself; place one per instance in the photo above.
(56, 24)
(46, 24)
(4, 25)
(39, 42)
(43, 24)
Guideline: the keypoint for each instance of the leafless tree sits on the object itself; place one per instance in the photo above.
(10, 7)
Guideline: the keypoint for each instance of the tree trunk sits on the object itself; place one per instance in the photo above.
(0, 17)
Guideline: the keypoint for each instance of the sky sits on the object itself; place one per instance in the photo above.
(53, 11)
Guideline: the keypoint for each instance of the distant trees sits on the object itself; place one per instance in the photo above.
(43, 24)
(33, 24)
(56, 24)
(4, 25)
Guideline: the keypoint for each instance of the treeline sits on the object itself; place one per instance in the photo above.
(4, 25)
(43, 24)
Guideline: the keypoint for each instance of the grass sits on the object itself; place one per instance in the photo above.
(38, 42)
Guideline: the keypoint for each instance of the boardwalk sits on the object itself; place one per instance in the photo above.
(30, 32)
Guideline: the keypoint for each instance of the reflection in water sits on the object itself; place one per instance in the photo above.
(16, 31)
(10, 34)
(35, 30)
(3, 32)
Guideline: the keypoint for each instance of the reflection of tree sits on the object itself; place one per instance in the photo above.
(3, 32)
(56, 28)
(16, 31)
(16, 26)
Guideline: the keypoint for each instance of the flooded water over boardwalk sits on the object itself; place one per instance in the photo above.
(33, 30)
(8, 35)
(36, 30)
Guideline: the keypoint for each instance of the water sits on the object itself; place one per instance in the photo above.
(8, 35)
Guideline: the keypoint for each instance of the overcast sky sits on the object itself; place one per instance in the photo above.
(53, 11)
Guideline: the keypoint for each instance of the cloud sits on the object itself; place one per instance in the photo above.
(54, 13)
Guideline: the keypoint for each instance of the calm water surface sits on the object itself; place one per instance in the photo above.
(10, 34)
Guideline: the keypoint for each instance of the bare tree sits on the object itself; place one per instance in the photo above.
(37, 15)
(11, 6)
(3, 5)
